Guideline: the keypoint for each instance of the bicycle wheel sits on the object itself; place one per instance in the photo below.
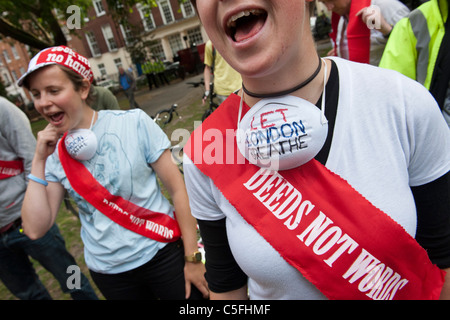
(208, 112)
(70, 204)
(163, 118)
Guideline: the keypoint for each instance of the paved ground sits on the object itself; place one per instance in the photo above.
(179, 92)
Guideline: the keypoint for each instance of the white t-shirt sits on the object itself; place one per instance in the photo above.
(389, 135)
(128, 141)
(391, 10)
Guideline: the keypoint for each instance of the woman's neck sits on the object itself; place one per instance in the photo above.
(284, 80)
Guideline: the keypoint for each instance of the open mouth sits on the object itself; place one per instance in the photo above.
(246, 24)
(56, 118)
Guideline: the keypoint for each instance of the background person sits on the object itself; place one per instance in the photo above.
(268, 231)
(420, 49)
(361, 28)
(128, 84)
(17, 146)
(226, 79)
(108, 162)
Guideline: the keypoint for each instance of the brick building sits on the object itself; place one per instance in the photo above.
(14, 59)
(170, 26)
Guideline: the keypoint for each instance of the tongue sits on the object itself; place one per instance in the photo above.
(248, 28)
(58, 117)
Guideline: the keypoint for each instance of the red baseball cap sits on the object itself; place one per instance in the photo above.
(63, 56)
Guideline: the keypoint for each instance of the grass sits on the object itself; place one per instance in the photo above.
(69, 224)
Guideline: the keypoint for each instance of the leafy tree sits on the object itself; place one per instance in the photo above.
(37, 23)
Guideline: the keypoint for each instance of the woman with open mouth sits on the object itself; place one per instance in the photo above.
(108, 161)
(335, 184)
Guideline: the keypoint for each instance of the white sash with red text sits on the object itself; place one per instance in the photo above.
(319, 224)
(154, 225)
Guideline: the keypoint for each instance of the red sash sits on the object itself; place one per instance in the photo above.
(358, 34)
(157, 226)
(318, 223)
(10, 169)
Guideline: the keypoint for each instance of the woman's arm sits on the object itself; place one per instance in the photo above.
(41, 203)
(173, 181)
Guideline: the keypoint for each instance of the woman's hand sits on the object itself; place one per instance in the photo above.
(194, 274)
(47, 140)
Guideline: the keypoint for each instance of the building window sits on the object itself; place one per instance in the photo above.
(146, 16)
(14, 75)
(109, 37)
(195, 36)
(187, 9)
(15, 53)
(166, 11)
(93, 45)
(127, 35)
(6, 56)
(157, 51)
(102, 69)
(118, 63)
(176, 44)
(6, 79)
(98, 6)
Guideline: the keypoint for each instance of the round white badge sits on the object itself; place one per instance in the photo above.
(81, 144)
(281, 133)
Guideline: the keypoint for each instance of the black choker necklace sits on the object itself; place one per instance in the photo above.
(283, 93)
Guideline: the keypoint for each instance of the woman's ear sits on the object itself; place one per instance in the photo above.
(85, 88)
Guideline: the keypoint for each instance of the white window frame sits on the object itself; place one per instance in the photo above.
(102, 69)
(109, 35)
(127, 35)
(161, 10)
(99, 9)
(6, 56)
(15, 53)
(93, 44)
(145, 12)
(183, 9)
(176, 43)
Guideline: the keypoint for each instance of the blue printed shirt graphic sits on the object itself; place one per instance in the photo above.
(128, 142)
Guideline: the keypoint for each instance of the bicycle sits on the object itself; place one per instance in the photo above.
(70, 204)
(212, 105)
(163, 117)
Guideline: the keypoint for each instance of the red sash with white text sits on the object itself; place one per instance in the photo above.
(154, 225)
(10, 169)
(318, 223)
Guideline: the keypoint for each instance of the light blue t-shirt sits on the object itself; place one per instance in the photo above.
(128, 141)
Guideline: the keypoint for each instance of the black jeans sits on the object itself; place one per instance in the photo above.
(162, 278)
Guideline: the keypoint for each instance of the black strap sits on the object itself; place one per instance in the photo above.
(284, 92)
(331, 106)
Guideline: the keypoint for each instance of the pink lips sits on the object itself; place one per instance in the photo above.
(245, 24)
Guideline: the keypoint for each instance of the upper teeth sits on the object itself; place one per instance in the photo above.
(232, 21)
